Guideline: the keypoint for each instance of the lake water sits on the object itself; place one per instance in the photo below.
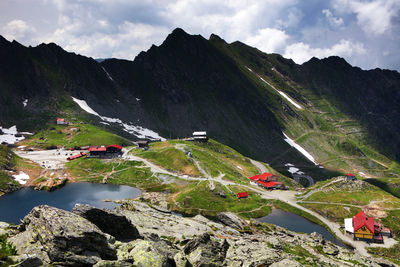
(300, 224)
(14, 206)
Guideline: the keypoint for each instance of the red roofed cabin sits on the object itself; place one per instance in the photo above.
(270, 185)
(61, 121)
(97, 151)
(110, 151)
(242, 195)
(350, 177)
(366, 229)
(114, 149)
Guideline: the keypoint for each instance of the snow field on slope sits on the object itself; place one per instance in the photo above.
(299, 148)
(136, 130)
(288, 98)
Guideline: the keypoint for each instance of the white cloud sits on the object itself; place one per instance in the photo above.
(123, 28)
(374, 17)
(301, 52)
(268, 40)
(17, 29)
(333, 21)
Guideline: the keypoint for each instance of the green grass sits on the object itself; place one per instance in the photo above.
(390, 185)
(171, 159)
(7, 160)
(392, 221)
(363, 194)
(335, 213)
(199, 199)
(6, 249)
(363, 197)
(73, 135)
(119, 172)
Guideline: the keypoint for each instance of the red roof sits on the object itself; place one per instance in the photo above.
(97, 148)
(360, 219)
(242, 194)
(266, 175)
(116, 146)
(255, 178)
(349, 174)
(263, 176)
(60, 119)
(76, 156)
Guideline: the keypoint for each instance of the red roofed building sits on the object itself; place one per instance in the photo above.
(242, 195)
(270, 185)
(364, 226)
(61, 121)
(113, 148)
(264, 177)
(350, 177)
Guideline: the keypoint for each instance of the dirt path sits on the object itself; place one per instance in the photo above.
(320, 188)
(259, 165)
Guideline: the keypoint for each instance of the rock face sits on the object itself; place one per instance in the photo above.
(60, 236)
(108, 221)
(52, 236)
(232, 220)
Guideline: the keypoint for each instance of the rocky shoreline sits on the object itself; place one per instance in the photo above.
(137, 235)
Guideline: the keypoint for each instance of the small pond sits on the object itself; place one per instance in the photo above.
(14, 206)
(296, 223)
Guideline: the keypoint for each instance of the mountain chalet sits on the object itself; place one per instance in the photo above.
(366, 228)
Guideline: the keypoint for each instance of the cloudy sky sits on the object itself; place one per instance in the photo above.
(365, 32)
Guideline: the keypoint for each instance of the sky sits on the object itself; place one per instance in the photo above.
(364, 32)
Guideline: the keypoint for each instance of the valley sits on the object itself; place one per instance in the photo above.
(305, 125)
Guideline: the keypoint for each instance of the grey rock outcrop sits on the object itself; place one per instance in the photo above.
(108, 221)
(56, 235)
(204, 251)
(231, 219)
(63, 238)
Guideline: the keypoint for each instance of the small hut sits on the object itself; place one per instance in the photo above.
(350, 177)
(143, 144)
(200, 136)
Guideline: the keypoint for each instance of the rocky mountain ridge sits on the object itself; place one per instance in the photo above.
(147, 237)
(190, 83)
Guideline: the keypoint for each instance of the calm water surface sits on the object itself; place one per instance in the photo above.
(297, 223)
(14, 206)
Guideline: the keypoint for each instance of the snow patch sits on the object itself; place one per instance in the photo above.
(85, 106)
(137, 99)
(293, 170)
(136, 130)
(106, 123)
(288, 98)
(108, 74)
(21, 178)
(289, 164)
(25, 102)
(8, 135)
(299, 148)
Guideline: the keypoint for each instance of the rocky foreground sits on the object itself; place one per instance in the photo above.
(137, 235)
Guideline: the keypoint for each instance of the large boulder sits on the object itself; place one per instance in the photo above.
(56, 235)
(108, 221)
(146, 253)
(232, 220)
(205, 251)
